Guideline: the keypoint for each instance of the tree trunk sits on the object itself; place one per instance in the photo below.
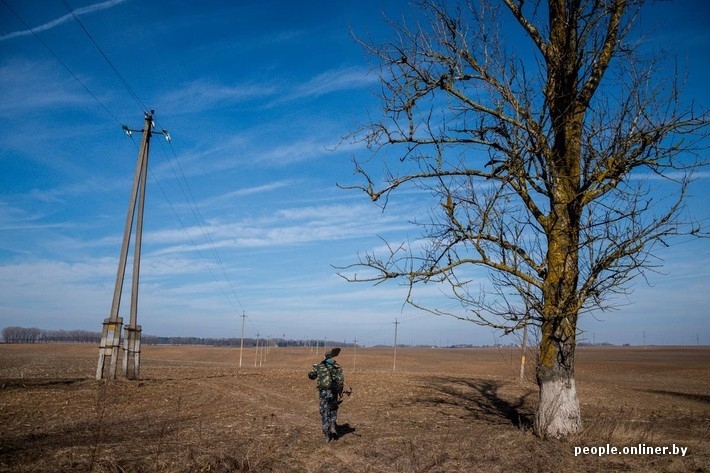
(558, 413)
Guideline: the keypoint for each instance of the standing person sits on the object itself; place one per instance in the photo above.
(330, 381)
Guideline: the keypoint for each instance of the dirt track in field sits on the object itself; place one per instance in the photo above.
(442, 410)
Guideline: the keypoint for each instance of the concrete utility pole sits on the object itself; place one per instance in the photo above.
(256, 354)
(394, 364)
(111, 333)
(241, 344)
(523, 344)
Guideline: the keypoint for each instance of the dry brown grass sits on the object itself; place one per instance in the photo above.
(442, 411)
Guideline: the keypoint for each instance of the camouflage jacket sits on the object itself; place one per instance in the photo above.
(328, 375)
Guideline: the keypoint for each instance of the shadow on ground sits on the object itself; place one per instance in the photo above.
(344, 430)
(483, 400)
(704, 398)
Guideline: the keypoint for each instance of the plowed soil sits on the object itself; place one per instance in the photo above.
(429, 410)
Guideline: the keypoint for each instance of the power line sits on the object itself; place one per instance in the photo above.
(186, 190)
(204, 260)
(108, 61)
(202, 220)
(182, 179)
(189, 197)
(51, 51)
(194, 244)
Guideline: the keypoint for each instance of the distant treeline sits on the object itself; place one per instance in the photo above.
(38, 335)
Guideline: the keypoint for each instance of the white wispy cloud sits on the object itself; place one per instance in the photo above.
(283, 227)
(267, 145)
(62, 19)
(293, 152)
(335, 80)
(204, 94)
(25, 88)
(246, 191)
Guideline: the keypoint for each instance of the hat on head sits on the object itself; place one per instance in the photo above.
(333, 352)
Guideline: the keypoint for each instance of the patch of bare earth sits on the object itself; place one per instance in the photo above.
(441, 410)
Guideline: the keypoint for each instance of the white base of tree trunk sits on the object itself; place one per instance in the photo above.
(558, 414)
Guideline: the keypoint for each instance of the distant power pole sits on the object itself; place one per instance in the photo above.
(394, 366)
(256, 354)
(523, 344)
(241, 344)
(111, 333)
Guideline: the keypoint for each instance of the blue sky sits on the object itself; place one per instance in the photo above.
(243, 214)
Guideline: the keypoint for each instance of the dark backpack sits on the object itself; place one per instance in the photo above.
(328, 376)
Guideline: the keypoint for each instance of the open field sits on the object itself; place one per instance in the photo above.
(442, 410)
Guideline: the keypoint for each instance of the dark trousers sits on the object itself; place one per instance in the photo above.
(328, 410)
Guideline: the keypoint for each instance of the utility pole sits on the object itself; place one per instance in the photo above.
(241, 344)
(111, 333)
(522, 357)
(394, 365)
(256, 354)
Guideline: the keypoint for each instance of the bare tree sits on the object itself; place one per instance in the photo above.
(543, 155)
